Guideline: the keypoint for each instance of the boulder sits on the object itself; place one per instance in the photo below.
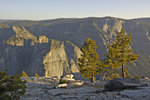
(68, 79)
(64, 85)
(114, 85)
(75, 83)
(68, 76)
(117, 84)
(147, 79)
(129, 80)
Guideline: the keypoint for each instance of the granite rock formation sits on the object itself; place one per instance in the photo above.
(71, 33)
(47, 57)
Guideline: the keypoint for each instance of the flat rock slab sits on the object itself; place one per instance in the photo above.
(43, 91)
(141, 94)
(81, 90)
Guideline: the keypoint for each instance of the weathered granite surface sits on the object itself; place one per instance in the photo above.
(45, 90)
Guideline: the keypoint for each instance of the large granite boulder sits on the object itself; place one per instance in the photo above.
(113, 85)
(64, 85)
(118, 84)
(68, 77)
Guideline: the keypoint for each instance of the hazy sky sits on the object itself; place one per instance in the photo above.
(50, 9)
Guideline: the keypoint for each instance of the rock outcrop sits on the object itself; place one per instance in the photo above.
(119, 84)
(43, 39)
(68, 77)
(47, 57)
(44, 89)
(55, 62)
(21, 34)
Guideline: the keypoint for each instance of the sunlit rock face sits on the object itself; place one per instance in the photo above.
(59, 61)
(43, 39)
(21, 34)
(47, 57)
(55, 61)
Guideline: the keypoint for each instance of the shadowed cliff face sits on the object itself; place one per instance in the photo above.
(69, 35)
(47, 57)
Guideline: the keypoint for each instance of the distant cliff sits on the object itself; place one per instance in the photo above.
(47, 57)
(53, 45)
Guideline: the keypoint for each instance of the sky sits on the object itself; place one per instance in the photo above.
(52, 9)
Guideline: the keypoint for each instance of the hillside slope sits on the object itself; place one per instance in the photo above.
(102, 30)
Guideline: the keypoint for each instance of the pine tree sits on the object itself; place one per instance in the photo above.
(120, 52)
(11, 87)
(89, 64)
(36, 75)
(24, 74)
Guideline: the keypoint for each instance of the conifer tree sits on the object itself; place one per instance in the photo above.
(89, 64)
(11, 87)
(120, 52)
(36, 75)
(24, 74)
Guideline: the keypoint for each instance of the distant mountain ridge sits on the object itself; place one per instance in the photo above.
(76, 30)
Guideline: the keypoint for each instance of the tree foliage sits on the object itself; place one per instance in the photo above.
(89, 64)
(24, 74)
(11, 87)
(120, 53)
(36, 75)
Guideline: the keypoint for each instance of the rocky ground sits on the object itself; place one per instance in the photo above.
(48, 89)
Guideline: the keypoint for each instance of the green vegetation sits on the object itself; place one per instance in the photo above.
(137, 77)
(11, 87)
(89, 64)
(61, 81)
(119, 53)
(24, 74)
(36, 75)
(143, 77)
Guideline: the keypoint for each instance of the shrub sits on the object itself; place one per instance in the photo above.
(36, 75)
(137, 77)
(24, 74)
(61, 81)
(11, 87)
(143, 77)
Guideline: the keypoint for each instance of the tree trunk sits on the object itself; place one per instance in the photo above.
(92, 79)
(122, 69)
